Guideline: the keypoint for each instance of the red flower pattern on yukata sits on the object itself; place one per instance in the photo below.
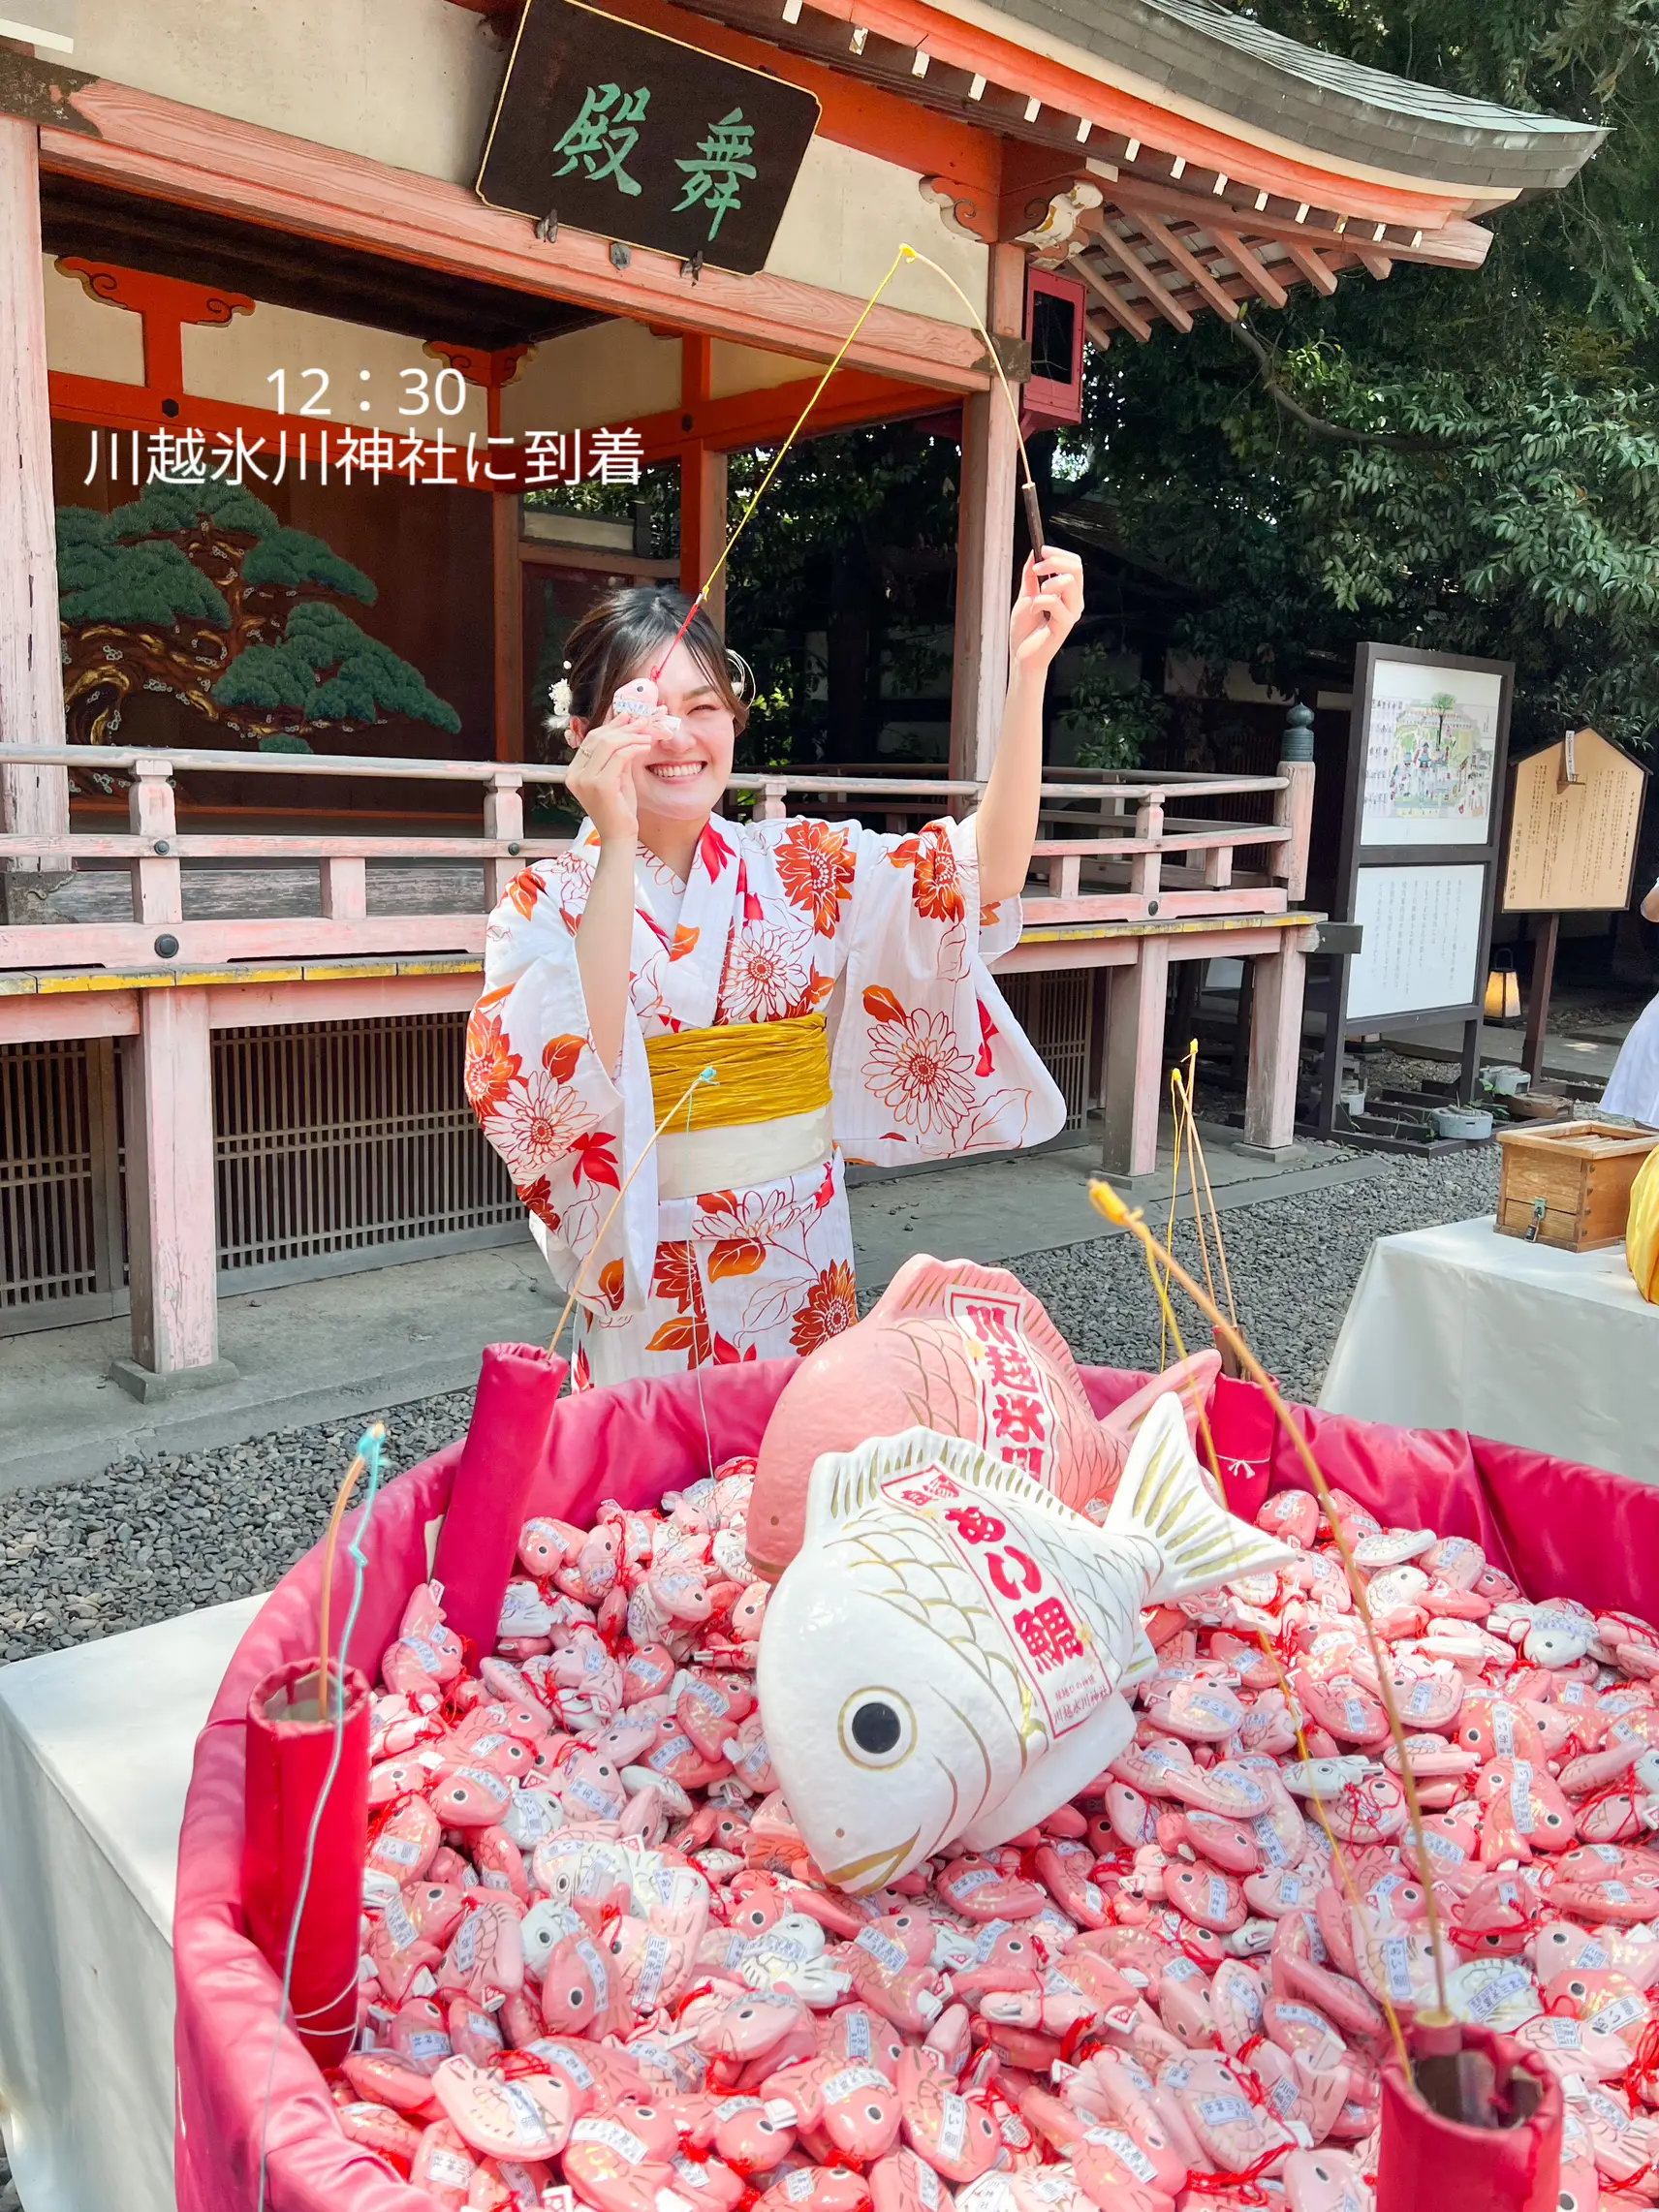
(741, 1228)
(915, 1066)
(677, 1279)
(535, 1125)
(816, 871)
(492, 1066)
(524, 891)
(828, 1309)
(596, 1160)
(714, 851)
(937, 888)
(538, 1198)
(764, 979)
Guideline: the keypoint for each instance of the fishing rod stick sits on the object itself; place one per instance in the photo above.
(1108, 1202)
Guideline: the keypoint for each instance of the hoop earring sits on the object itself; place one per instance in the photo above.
(742, 677)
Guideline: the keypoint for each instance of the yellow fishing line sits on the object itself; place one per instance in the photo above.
(1107, 1203)
(903, 255)
(1169, 1227)
(1344, 1871)
(1184, 1081)
(1215, 1226)
(704, 1075)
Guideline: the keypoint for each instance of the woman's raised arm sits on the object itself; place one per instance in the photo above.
(602, 783)
(1049, 603)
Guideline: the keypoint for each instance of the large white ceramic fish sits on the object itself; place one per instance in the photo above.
(944, 1659)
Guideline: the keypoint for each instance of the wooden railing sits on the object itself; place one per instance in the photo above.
(1113, 850)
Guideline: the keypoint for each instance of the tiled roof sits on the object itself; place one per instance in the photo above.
(1228, 62)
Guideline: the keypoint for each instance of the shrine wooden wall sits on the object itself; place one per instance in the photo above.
(427, 552)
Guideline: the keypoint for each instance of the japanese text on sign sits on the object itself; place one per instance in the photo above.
(1017, 1417)
(608, 130)
(644, 138)
(1061, 1660)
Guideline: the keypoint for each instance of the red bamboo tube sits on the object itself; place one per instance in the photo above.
(289, 1751)
(1241, 1429)
(1427, 2163)
(506, 1442)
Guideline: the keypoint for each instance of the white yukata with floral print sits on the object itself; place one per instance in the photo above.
(883, 934)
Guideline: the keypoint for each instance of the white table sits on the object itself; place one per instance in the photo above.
(96, 1745)
(1459, 1327)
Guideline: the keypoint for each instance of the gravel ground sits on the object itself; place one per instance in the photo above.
(1294, 1263)
(153, 1538)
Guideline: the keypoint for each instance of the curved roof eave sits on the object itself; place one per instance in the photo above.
(1201, 59)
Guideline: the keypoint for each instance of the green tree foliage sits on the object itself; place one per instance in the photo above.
(1452, 459)
(201, 591)
(851, 516)
(149, 582)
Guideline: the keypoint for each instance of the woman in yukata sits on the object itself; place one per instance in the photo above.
(835, 980)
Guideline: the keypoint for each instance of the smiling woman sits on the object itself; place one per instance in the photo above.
(835, 980)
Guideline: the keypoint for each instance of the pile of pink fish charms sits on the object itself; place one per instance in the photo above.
(599, 1961)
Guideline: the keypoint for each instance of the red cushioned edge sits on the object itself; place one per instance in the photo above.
(1559, 1529)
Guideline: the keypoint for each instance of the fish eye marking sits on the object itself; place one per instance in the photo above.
(877, 1728)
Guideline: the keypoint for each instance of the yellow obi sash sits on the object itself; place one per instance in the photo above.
(765, 1115)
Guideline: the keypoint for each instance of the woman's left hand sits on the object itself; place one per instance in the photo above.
(1049, 603)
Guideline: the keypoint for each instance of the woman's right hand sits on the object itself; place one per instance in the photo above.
(600, 780)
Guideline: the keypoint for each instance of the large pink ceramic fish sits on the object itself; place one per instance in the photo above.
(964, 1351)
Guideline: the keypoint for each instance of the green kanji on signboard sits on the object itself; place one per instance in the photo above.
(687, 154)
(721, 158)
(604, 134)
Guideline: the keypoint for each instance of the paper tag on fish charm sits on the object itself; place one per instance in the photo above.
(1063, 1662)
(1016, 1416)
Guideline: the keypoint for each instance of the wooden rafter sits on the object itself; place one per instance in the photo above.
(1183, 259)
(1254, 271)
(1136, 269)
(1127, 317)
(1458, 243)
(1318, 272)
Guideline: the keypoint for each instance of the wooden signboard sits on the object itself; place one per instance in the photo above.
(644, 139)
(1418, 850)
(1572, 826)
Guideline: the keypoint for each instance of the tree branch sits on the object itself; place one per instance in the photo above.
(1340, 433)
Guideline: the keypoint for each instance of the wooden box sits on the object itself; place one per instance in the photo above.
(1583, 1170)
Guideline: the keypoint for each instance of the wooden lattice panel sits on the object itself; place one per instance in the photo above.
(1052, 1007)
(59, 1212)
(349, 1144)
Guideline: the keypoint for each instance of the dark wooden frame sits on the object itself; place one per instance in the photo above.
(1351, 856)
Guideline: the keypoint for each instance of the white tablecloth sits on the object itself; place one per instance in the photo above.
(96, 1744)
(1459, 1327)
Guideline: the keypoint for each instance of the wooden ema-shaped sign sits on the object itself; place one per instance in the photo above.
(1572, 840)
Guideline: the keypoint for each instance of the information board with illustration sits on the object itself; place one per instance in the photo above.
(1430, 746)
